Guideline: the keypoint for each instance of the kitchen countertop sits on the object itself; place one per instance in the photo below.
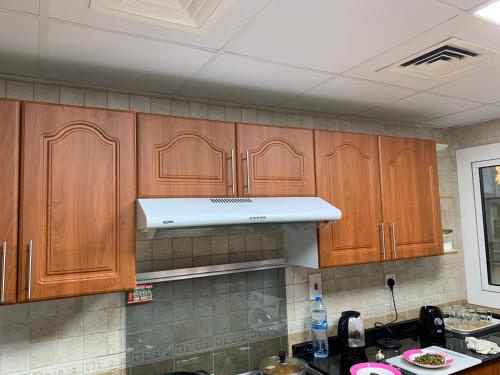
(338, 363)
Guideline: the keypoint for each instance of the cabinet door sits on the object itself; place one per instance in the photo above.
(9, 188)
(280, 161)
(180, 157)
(347, 176)
(410, 194)
(77, 233)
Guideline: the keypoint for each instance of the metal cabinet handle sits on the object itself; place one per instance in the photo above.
(4, 263)
(248, 170)
(30, 251)
(393, 240)
(233, 172)
(382, 238)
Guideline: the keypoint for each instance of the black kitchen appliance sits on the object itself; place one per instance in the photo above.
(432, 330)
(351, 330)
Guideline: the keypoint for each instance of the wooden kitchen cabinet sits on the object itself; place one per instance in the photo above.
(182, 157)
(9, 189)
(347, 175)
(275, 161)
(77, 205)
(492, 368)
(410, 195)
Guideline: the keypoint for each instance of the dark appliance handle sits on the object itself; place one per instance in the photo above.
(342, 330)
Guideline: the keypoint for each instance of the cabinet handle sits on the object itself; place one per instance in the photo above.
(393, 240)
(30, 262)
(248, 171)
(233, 172)
(4, 262)
(382, 236)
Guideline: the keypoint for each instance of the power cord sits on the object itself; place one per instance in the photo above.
(390, 284)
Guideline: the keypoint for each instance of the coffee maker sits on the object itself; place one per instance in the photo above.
(432, 330)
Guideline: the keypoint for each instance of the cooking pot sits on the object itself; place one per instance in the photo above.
(283, 365)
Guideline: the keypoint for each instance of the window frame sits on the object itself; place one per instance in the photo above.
(469, 161)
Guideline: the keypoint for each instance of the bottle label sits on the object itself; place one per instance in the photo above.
(319, 325)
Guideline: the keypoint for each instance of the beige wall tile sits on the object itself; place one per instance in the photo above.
(46, 93)
(3, 83)
(72, 95)
(180, 108)
(20, 90)
(118, 100)
(69, 350)
(43, 354)
(96, 98)
(140, 103)
(216, 112)
(160, 105)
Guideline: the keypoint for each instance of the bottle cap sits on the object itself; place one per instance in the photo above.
(318, 298)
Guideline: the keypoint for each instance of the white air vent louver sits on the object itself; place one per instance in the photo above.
(443, 59)
(188, 15)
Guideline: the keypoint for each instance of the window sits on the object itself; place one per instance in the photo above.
(479, 187)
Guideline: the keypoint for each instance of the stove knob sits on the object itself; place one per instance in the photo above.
(438, 322)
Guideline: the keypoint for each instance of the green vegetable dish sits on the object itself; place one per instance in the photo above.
(430, 359)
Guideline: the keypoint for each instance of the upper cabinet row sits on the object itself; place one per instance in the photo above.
(203, 158)
(67, 219)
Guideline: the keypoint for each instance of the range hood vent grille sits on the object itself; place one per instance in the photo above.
(449, 57)
(231, 200)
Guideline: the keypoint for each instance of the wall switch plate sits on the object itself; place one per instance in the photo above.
(387, 277)
(315, 286)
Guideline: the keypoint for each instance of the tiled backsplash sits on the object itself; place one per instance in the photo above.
(226, 323)
(165, 253)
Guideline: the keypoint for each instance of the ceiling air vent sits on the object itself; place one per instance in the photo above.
(187, 15)
(446, 58)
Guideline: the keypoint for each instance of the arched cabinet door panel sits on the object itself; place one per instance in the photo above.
(9, 190)
(347, 176)
(410, 192)
(181, 157)
(77, 233)
(275, 161)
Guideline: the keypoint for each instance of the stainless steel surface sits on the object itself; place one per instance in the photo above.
(382, 238)
(221, 269)
(30, 250)
(4, 262)
(393, 240)
(248, 171)
(233, 173)
(225, 229)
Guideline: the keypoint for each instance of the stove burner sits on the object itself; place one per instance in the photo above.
(388, 343)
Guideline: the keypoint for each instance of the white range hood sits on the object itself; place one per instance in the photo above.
(163, 213)
(296, 217)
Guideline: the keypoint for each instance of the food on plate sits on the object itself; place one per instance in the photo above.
(430, 359)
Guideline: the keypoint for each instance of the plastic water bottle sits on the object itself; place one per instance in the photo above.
(319, 329)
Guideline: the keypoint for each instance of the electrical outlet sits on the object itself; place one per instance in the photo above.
(389, 276)
(315, 286)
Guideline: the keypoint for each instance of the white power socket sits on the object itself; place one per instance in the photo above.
(389, 276)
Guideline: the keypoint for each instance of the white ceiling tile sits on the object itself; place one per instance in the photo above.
(249, 81)
(18, 44)
(79, 54)
(466, 27)
(336, 35)
(482, 87)
(347, 96)
(27, 6)
(235, 16)
(465, 4)
(420, 107)
(470, 116)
